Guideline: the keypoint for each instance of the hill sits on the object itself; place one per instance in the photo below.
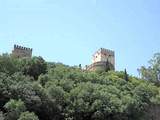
(32, 89)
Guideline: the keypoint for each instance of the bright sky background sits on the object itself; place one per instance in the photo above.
(70, 31)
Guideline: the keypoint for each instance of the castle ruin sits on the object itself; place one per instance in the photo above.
(20, 52)
(103, 59)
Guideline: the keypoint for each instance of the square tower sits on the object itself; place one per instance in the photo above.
(21, 52)
(104, 55)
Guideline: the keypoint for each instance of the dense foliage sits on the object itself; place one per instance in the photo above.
(32, 89)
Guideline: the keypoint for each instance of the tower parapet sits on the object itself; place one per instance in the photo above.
(20, 51)
(22, 48)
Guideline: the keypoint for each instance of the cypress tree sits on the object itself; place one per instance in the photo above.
(125, 75)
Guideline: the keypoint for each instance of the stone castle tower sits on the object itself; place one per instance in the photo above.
(21, 52)
(103, 59)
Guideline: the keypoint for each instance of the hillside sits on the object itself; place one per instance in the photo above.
(33, 89)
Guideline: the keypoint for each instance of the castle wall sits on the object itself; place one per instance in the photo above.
(96, 57)
(97, 66)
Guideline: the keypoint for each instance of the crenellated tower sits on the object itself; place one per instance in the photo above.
(103, 59)
(20, 51)
(104, 55)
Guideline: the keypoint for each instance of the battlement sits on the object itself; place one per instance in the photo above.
(103, 55)
(104, 51)
(20, 51)
(22, 48)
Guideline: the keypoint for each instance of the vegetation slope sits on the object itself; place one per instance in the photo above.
(33, 89)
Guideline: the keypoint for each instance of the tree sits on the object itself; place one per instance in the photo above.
(43, 79)
(28, 116)
(14, 109)
(34, 66)
(8, 64)
(1, 116)
(125, 75)
(152, 73)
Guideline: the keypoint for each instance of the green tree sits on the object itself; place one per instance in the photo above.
(34, 66)
(28, 116)
(43, 79)
(14, 109)
(125, 75)
(8, 64)
(152, 73)
(1, 116)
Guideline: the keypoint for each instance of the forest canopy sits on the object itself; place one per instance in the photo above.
(33, 89)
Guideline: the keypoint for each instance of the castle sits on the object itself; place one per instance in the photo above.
(20, 52)
(103, 59)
